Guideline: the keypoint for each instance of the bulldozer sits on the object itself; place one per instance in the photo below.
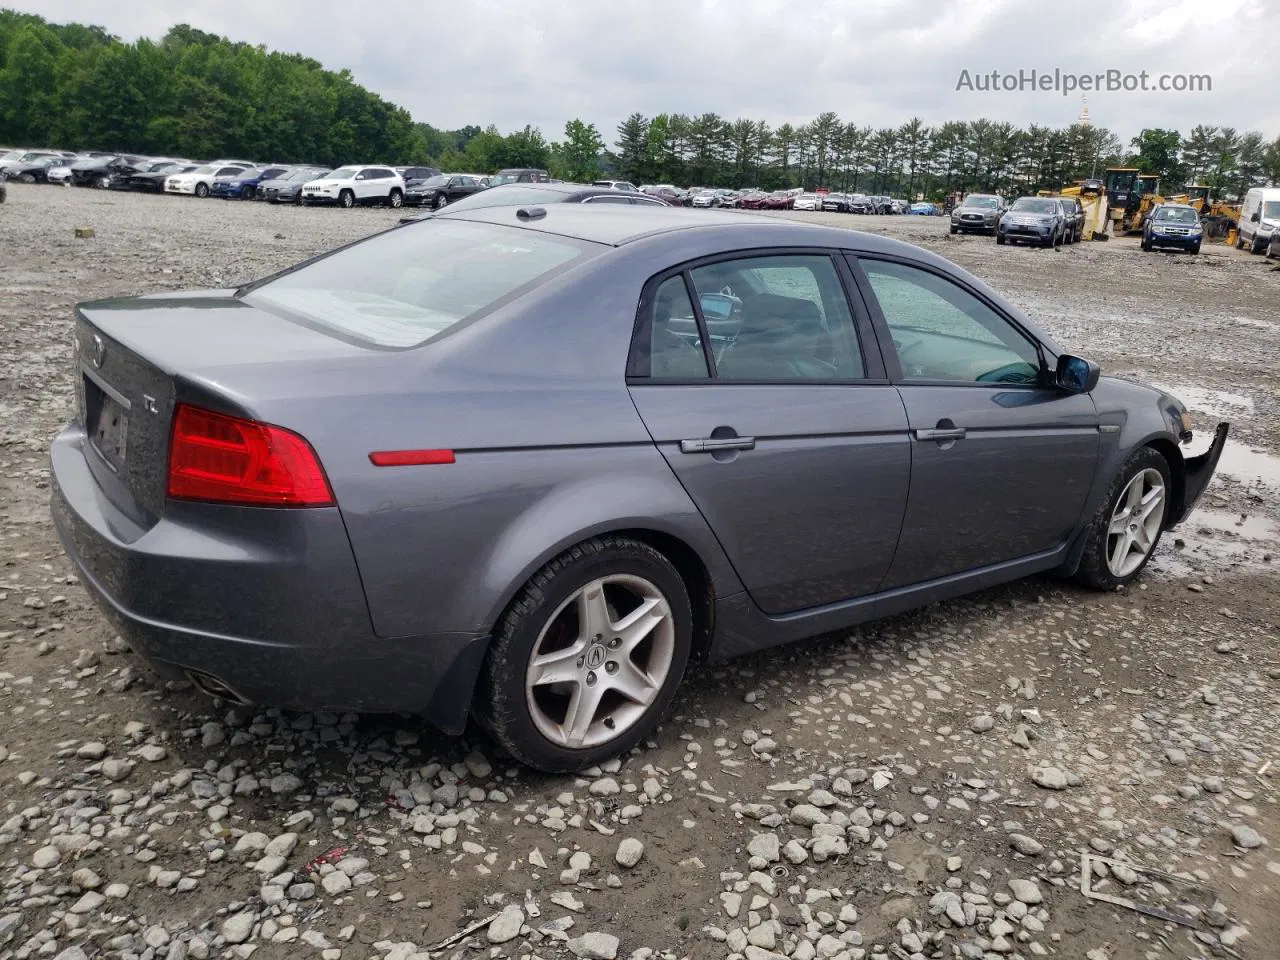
(1092, 196)
(1220, 219)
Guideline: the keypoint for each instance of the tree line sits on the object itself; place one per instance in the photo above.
(199, 95)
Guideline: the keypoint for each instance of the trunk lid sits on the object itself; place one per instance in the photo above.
(137, 358)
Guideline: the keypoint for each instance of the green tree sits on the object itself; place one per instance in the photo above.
(632, 143)
(1160, 152)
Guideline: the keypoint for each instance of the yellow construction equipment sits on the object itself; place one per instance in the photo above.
(1219, 218)
(1092, 197)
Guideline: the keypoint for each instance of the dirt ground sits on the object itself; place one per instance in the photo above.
(921, 787)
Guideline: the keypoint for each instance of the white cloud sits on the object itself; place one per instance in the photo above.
(874, 62)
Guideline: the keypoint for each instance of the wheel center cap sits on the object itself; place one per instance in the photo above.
(596, 655)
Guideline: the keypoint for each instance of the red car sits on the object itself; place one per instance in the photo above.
(779, 200)
(751, 201)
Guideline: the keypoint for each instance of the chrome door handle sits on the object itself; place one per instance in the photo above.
(716, 444)
(938, 433)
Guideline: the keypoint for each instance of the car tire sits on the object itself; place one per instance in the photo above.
(346, 199)
(202, 190)
(609, 571)
(1195, 248)
(1146, 244)
(1110, 560)
(1000, 240)
(395, 199)
(439, 202)
(26, 178)
(1239, 241)
(246, 193)
(955, 229)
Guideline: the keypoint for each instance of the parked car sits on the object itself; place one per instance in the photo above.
(899, 206)
(977, 212)
(287, 188)
(414, 175)
(34, 169)
(807, 201)
(98, 171)
(199, 181)
(860, 203)
(727, 198)
(836, 203)
(1273, 247)
(1039, 221)
(1073, 210)
(244, 185)
(779, 200)
(537, 194)
(356, 185)
(1259, 218)
(923, 209)
(704, 199)
(404, 494)
(670, 195)
(615, 184)
(1173, 225)
(519, 175)
(148, 177)
(752, 200)
(436, 192)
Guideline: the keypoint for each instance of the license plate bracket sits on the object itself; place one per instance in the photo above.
(106, 420)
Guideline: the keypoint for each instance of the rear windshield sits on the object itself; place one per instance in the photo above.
(400, 288)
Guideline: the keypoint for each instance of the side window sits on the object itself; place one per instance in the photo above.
(604, 199)
(942, 332)
(668, 345)
(779, 318)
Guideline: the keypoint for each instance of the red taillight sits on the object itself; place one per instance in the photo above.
(222, 459)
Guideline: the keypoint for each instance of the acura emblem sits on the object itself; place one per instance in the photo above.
(97, 351)
(596, 656)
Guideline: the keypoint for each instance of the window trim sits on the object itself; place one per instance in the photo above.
(884, 335)
(874, 369)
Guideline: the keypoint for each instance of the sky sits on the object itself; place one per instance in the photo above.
(872, 62)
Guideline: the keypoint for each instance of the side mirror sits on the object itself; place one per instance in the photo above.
(1076, 375)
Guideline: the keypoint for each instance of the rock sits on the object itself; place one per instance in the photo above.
(506, 926)
(954, 864)
(94, 750)
(630, 851)
(824, 848)
(116, 770)
(1027, 846)
(282, 845)
(806, 815)
(1051, 778)
(766, 846)
(153, 753)
(86, 879)
(284, 783)
(594, 946)
(1246, 837)
(732, 903)
(336, 883)
(116, 891)
(795, 852)
(46, 858)
(237, 928)
(982, 723)
(73, 953)
(1026, 891)
(604, 787)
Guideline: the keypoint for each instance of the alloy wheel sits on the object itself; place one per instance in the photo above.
(600, 661)
(1135, 522)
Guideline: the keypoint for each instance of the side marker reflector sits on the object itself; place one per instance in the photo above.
(410, 458)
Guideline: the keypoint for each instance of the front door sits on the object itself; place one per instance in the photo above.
(791, 444)
(1001, 461)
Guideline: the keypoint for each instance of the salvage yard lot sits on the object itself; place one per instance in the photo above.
(872, 794)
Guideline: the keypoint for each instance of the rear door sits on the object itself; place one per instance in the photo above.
(1001, 461)
(767, 396)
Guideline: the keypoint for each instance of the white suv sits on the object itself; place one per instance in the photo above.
(349, 186)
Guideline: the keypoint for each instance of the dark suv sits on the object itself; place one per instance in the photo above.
(1173, 225)
(1074, 210)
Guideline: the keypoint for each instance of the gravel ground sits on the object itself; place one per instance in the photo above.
(922, 787)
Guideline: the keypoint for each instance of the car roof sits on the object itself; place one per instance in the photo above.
(619, 224)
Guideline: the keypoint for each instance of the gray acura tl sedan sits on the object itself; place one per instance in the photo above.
(523, 463)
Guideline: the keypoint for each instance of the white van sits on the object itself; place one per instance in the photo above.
(1259, 217)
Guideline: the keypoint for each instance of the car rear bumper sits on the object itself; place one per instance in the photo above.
(268, 609)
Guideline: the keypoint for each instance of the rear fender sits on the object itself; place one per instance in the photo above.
(591, 507)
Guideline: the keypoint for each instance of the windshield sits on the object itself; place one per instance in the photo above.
(342, 173)
(402, 287)
(1035, 205)
(308, 174)
(511, 193)
(161, 167)
(981, 203)
(207, 168)
(1271, 210)
(243, 175)
(435, 182)
(1177, 215)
